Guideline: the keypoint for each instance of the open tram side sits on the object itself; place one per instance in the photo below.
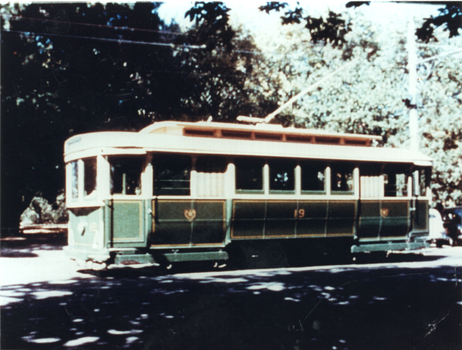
(178, 191)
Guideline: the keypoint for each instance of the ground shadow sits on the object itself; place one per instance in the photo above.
(24, 246)
(343, 308)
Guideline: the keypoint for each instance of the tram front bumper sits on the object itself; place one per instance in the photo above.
(387, 246)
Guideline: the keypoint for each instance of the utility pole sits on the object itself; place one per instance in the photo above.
(412, 68)
(414, 134)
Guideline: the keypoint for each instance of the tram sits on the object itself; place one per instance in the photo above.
(183, 191)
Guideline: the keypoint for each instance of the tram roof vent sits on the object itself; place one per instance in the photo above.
(260, 133)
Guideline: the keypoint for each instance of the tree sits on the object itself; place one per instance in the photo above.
(70, 68)
(450, 16)
(220, 70)
(441, 117)
(331, 30)
(370, 98)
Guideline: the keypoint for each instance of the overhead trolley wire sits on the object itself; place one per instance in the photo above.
(19, 18)
(120, 41)
(123, 41)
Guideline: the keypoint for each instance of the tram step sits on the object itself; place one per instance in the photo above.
(131, 259)
(196, 256)
(388, 246)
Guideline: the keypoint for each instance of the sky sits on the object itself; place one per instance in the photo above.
(262, 26)
(247, 11)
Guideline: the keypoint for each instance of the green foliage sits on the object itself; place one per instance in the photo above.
(441, 117)
(370, 97)
(70, 68)
(340, 104)
(40, 211)
(331, 30)
(65, 71)
(212, 27)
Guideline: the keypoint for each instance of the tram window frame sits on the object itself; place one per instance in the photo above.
(125, 174)
(249, 175)
(392, 176)
(282, 176)
(346, 179)
(312, 172)
(83, 179)
(423, 181)
(172, 169)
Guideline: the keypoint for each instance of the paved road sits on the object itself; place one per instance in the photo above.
(406, 301)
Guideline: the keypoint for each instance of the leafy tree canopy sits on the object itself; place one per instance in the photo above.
(370, 98)
(71, 68)
(450, 17)
(331, 30)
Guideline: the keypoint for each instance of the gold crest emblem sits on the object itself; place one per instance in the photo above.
(190, 214)
(384, 212)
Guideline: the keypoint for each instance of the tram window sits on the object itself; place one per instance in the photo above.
(282, 175)
(395, 183)
(172, 175)
(249, 175)
(423, 182)
(342, 178)
(89, 165)
(126, 174)
(86, 168)
(313, 176)
(211, 165)
(75, 179)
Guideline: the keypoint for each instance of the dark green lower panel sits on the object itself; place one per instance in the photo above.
(290, 219)
(421, 216)
(126, 220)
(383, 218)
(395, 227)
(171, 233)
(311, 227)
(188, 222)
(248, 229)
(208, 231)
(280, 228)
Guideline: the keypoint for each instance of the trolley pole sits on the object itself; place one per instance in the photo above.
(270, 116)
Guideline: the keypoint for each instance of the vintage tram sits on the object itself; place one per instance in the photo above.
(182, 191)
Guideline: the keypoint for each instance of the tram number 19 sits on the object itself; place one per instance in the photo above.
(299, 213)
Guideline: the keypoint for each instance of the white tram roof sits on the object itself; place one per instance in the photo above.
(214, 138)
